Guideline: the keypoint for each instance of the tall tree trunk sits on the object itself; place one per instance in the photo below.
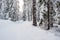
(48, 15)
(34, 13)
(28, 16)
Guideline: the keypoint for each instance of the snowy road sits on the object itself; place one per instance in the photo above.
(23, 31)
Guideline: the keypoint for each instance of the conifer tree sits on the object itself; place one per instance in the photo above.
(34, 13)
(58, 11)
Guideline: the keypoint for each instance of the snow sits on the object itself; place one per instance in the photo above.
(24, 31)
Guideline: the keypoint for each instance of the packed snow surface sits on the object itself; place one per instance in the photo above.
(24, 31)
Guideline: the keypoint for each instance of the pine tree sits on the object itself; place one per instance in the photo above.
(38, 7)
(4, 9)
(34, 13)
(0, 9)
(51, 13)
(41, 2)
(24, 11)
(48, 14)
(58, 11)
(27, 11)
(0, 5)
(48, 18)
(13, 10)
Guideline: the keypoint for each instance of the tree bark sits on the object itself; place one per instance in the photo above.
(48, 15)
(34, 13)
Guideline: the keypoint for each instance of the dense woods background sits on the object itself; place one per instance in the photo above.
(45, 12)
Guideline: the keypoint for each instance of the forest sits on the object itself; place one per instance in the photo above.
(46, 12)
(42, 14)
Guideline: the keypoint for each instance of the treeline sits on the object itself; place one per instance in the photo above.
(46, 12)
(9, 10)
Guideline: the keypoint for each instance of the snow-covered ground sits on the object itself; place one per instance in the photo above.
(24, 31)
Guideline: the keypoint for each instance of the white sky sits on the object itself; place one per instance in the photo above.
(21, 5)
